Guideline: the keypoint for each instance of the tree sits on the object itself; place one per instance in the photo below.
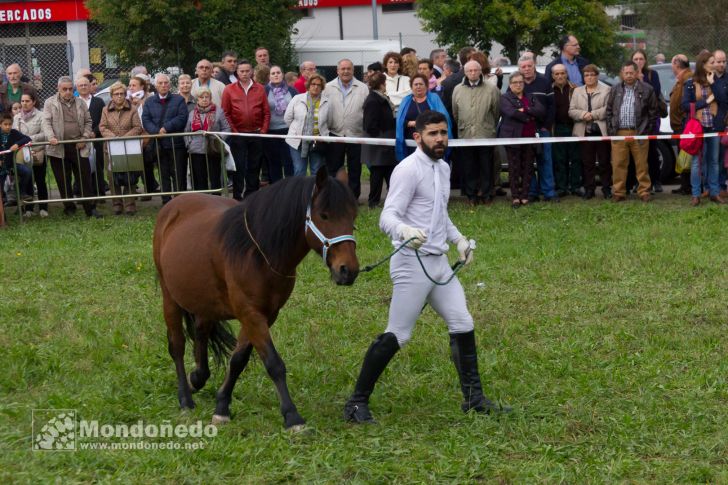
(162, 33)
(672, 27)
(522, 25)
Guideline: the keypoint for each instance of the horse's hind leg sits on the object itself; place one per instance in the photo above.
(176, 346)
(277, 372)
(199, 376)
(238, 361)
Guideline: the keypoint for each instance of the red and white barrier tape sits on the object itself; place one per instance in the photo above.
(474, 141)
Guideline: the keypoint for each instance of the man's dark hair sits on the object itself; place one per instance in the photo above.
(630, 63)
(229, 54)
(464, 53)
(243, 61)
(563, 40)
(375, 66)
(452, 65)
(406, 50)
(91, 78)
(428, 117)
(6, 116)
(426, 61)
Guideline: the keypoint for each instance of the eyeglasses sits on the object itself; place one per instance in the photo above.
(119, 94)
(516, 82)
(559, 73)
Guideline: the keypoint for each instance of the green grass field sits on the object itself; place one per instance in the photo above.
(604, 325)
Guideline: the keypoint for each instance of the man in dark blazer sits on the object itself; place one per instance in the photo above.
(164, 113)
(95, 108)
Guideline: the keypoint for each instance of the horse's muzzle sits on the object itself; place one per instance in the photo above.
(343, 275)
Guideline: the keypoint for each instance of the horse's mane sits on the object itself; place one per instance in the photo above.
(276, 218)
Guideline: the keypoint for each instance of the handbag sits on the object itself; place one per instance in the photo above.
(693, 146)
(213, 146)
(593, 127)
(683, 162)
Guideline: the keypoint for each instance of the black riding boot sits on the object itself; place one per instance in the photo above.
(465, 358)
(376, 359)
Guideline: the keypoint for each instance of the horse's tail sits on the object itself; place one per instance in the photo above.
(222, 341)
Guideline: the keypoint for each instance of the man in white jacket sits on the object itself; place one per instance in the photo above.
(346, 96)
(416, 207)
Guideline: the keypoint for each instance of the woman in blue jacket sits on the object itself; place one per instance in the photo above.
(412, 105)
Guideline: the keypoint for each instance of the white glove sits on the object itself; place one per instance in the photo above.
(465, 249)
(408, 232)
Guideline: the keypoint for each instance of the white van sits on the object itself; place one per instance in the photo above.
(327, 53)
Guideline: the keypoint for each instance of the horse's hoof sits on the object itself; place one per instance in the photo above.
(218, 419)
(298, 428)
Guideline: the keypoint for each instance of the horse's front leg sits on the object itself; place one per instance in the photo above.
(261, 340)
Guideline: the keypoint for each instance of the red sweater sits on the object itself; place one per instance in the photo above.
(246, 113)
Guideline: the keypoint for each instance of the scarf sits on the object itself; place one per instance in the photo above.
(205, 121)
(384, 95)
(279, 95)
(26, 115)
(308, 124)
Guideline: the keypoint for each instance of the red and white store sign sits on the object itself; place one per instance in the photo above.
(345, 3)
(23, 12)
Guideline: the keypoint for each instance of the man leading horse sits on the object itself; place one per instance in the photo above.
(415, 213)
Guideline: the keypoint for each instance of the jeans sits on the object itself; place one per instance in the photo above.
(709, 166)
(277, 155)
(25, 180)
(544, 183)
(316, 159)
(722, 172)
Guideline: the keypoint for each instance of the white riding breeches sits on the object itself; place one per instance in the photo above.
(412, 289)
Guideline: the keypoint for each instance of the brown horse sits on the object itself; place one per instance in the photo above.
(218, 260)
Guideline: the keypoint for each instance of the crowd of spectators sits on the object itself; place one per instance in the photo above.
(239, 96)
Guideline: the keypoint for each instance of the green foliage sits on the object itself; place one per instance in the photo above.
(522, 25)
(672, 28)
(604, 325)
(163, 33)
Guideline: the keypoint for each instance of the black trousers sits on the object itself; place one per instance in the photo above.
(173, 170)
(338, 153)
(379, 174)
(247, 153)
(206, 171)
(150, 161)
(477, 165)
(73, 164)
(99, 181)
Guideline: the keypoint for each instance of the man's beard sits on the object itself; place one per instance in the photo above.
(435, 152)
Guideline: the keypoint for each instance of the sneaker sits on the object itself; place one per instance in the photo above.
(43, 213)
(28, 214)
(657, 186)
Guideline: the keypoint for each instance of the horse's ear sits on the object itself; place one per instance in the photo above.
(342, 176)
(322, 176)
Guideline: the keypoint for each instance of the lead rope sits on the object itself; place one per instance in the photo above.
(455, 267)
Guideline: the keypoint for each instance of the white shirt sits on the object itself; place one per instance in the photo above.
(86, 100)
(418, 193)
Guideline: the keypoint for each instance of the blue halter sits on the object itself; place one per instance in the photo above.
(326, 243)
